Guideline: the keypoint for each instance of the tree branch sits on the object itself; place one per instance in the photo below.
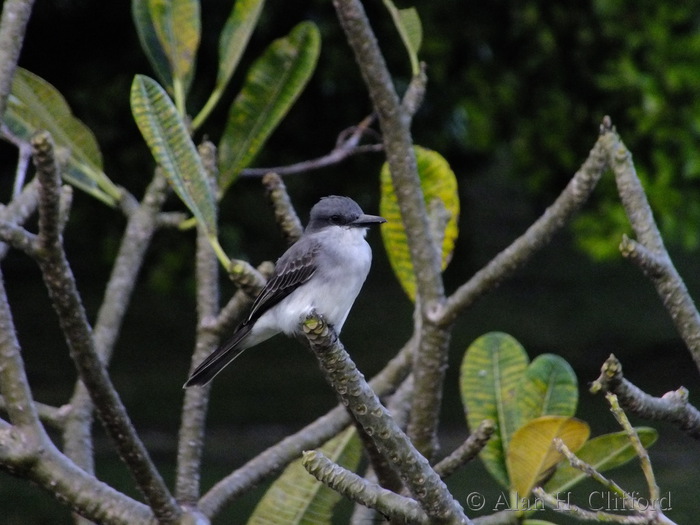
(394, 120)
(354, 393)
(13, 23)
(653, 256)
(672, 406)
(576, 193)
(60, 283)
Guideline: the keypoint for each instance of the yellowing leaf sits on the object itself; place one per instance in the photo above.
(549, 388)
(439, 186)
(531, 452)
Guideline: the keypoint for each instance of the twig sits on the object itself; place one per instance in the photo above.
(353, 391)
(672, 407)
(642, 453)
(346, 146)
(66, 301)
(587, 515)
(467, 450)
(355, 488)
(651, 254)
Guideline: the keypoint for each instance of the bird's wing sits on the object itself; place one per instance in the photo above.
(293, 269)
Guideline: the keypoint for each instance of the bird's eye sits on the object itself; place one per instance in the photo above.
(336, 219)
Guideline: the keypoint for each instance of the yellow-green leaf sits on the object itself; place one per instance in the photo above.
(409, 26)
(532, 454)
(272, 85)
(178, 27)
(35, 105)
(439, 186)
(602, 453)
(150, 43)
(232, 42)
(296, 497)
(491, 370)
(171, 146)
(549, 388)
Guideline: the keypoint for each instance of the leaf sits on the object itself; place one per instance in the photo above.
(150, 43)
(602, 453)
(235, 35)
(232, 42)
(272, 85)
(171, 146)
(409, 26)
(177, 25)
(492, 367)
(35, 105)
(296, 497)
(438, 183)
(549, 388)
(531, 452)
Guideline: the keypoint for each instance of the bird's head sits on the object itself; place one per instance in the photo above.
(340, 211)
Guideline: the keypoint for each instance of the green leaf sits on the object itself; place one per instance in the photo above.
(491, 370)
(232, 42)
(602, 453)
(176, 26)
(532, 454)
(150, 43)
(35, 105)
(171, 146)
(439, 185)
(296, 497)
(272, 85)
(549, 388)
(409, 26)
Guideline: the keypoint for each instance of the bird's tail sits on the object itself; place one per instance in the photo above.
(219, 358)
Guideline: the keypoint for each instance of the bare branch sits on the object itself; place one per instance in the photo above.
(354, 393)
(66, 301)
(527, 245)
(672, 406)
(15, 16)
(467, 450)
(286, 217)
(653, 258)
(355, 488)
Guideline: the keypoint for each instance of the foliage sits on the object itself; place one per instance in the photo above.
(531, 404)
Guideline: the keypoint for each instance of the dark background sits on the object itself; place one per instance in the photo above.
(514, 98)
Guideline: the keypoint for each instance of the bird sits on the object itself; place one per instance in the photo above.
(322, 272)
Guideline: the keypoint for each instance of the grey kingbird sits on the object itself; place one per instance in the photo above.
(323, 271)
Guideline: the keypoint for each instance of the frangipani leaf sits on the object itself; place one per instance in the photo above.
(602, 453)
(531, 451)
(273, 83)
(150, 42)
(491, 370)
(232, 42)
(35, 105)
(439, 186)
(409, 26)
(296, 497)
(166, 135)
(549, 388)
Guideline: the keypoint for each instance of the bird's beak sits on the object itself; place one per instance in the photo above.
(367, 220)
